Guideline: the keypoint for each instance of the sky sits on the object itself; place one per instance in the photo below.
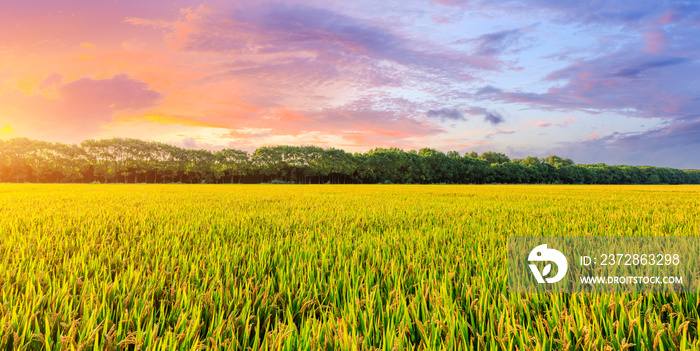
(616, 82)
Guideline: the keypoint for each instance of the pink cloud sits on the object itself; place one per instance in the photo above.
(553, 122)
(655, 41)
(300, 69)
(102, 96)
(80, 107)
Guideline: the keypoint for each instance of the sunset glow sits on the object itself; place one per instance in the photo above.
(613, 82)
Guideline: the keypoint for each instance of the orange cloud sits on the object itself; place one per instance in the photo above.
(77, 109)
(163, 119)
(285, 114)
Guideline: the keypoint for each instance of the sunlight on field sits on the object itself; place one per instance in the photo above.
(321, 267)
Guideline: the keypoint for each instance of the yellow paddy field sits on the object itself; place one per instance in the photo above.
(297, 267)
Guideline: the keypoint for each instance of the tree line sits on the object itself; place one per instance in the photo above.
(136, 161)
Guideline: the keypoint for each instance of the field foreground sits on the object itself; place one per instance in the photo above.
(184, 267)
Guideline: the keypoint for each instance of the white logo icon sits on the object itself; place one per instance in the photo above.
(543, 254)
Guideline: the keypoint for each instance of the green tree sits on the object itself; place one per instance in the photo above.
(236, 163)
(494, 157)
(557, 161)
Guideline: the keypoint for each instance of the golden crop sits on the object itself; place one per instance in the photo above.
(186, 267)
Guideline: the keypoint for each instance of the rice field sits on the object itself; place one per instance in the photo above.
(321, 267)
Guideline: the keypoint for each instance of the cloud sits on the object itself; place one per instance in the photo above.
(499, 48)
(365, 120)
(459, 3)
(51, 84)
(334, 71)
(373, 117)
(452, 114)
(497, 43)
(552, 122)
(490, 116)
(166, 119)
(490, 135)
(313, 71)
(296, 75)
(100, 97)
(321, 33)
(628, 83)
(493, 117)
(80, 107)
(249, 133)
(568, 11)
(283, 36)
(636, 72)
(189, 143)
(487, 91)
(673, 145)
(685, 134)
(447, 114)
